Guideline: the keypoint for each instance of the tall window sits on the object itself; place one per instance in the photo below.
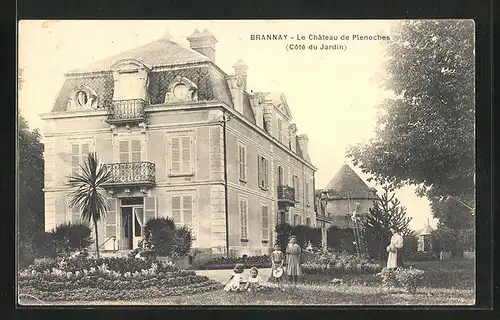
(308, 221)
(280, 176)
(265, 223)
(242, 160)
(307, 193)
(130, 151)
(296, 187)
(181, 155)
(280, 130)
(295, 219)
(182, 210)
(78, 151)
(263, 169)
(243, 208)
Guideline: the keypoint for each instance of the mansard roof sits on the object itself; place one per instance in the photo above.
(159, 53)
(347, 183)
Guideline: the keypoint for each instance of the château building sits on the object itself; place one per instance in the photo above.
(184, 140)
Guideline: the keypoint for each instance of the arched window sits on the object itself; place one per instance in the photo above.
(181, 89)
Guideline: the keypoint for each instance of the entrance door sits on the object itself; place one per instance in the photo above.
(132, 226)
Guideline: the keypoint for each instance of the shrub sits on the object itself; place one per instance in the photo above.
(72, 237)
(407, 278)
(183, 241)
(162, 236)
(283, 231)
(44, 245)
(388, 277)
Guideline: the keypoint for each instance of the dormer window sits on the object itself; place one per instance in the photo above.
(181, 89)
(82, 97)
(130, 80)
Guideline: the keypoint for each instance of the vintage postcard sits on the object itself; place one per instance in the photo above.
(251, 162)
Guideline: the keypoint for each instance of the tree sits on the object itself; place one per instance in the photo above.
(425, 133)
(86, 197)
(30, 181)
(386, 212)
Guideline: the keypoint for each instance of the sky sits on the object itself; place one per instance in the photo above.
(332, 94)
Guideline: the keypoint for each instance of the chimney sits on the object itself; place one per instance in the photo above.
(203, 42)
(303, 140)
(292, 132)
(240, 71)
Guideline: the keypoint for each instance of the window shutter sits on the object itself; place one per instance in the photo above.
(110, 229)
(280, 130)
(186, 154)
(149, 208)
(187, 206)
(307, 193)
(244, 159)
(266, 174)
(136, 150)
(265, 223)
(85, 151)
(175, 159)
(259, 171)
(75, 158)
(176, 209)
(124, 152)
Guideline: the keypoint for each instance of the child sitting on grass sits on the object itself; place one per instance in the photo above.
(254, 282)
(237, 282)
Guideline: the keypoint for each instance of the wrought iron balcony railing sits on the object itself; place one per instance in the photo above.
(125, 111)
(286, 195)
(131, 174)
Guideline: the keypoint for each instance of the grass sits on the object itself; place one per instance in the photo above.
(445, 283)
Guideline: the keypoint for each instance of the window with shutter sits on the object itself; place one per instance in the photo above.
(187, 210)
(186, 154)
(75, 158)
(296, 187)
(182, 210)
(280, 130)
(149, 208)
(265, 223)
(136, 150)
(308, 222)
(243, 219)
(181, 155)
(176, 209)
(110, 219)
(307, 193)
(263, 172)
(242, 169)
(124, 151)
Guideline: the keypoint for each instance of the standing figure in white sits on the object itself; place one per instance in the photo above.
(393, 247)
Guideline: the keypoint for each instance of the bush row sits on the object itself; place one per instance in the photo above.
(340, 263)
(263, 261)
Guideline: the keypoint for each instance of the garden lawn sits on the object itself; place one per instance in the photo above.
(305, 294)
(445, 283)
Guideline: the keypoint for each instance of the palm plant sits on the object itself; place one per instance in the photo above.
(86, 197)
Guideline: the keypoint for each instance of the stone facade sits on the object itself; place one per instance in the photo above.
(183, 128)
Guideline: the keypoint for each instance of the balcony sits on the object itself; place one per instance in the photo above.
(131, 174)
(286, 196)
(126, 111)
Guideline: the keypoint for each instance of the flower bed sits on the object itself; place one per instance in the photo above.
(263, 261)
(337, 264)
(109, 279)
